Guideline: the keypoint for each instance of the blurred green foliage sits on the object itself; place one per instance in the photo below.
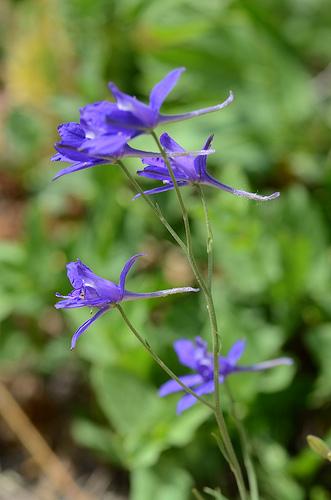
(272, 277)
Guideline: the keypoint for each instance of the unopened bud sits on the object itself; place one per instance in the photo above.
(319, 447)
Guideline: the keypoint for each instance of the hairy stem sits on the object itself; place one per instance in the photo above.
(156, 209)
(178, 194)
(210, 239)
(246, 447)
(159, 360)
(234, 463)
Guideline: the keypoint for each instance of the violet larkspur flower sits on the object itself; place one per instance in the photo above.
(136, 117)
(83, 149)
(105, 127)
(90, 290)
(188, 169)
(195, 355)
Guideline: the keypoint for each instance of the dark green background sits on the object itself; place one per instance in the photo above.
(98, 406)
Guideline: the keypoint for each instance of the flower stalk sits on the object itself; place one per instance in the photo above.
(246, 448)
(154, 206)
(101, 137)
(233, 460)
(159, 361)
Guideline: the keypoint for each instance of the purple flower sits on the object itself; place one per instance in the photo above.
(105, 127)
(136, 117)
(188, 169)
(85, 148)
(90, 290)
(195, 355)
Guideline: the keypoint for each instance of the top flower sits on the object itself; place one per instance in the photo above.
(195, 355)
(105, 127)
(90, 290)
(137, 118)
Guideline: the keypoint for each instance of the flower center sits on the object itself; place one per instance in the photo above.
(204, 367)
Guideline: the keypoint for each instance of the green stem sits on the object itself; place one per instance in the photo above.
(246, 447)
(234, 464)
(159, 360)
(156, 209)
(210, 239)
(178, 194)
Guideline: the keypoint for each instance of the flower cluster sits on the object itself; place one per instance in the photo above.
(105, 128)
(101, 137)
(195, 356)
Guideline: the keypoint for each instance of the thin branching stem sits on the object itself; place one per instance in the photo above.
(246, 447)
(154, 206)
(159, 360)
(210, 239)
(231, 454)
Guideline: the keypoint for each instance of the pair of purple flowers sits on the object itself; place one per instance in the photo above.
(90, 290)
(105, 128)
(101, 137)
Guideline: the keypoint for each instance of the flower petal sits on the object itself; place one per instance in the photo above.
(105, 145)
(188, 400)
(185, 350)
(125, 102)
(154, 161)
(76, 167)
(86, 325)
(164, 87)
(77, 272)
(94, 118)
(200, 162)
(236, 352)
(155, 172)
(71, 133)
(126, 269)
(172, 386)
(71, 153)
(124, 121)
(170, 144)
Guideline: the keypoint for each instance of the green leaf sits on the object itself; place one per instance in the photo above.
(146, 423)
(164, 482)
(99, 439)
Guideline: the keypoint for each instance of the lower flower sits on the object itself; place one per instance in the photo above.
(195, 355)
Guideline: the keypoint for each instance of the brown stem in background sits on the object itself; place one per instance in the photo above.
(41, 453)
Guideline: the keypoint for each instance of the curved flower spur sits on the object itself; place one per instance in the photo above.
(188, 169)
(90, 290)
(138, 118)
(195, 355)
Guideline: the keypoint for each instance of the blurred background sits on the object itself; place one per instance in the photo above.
(97, 407)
